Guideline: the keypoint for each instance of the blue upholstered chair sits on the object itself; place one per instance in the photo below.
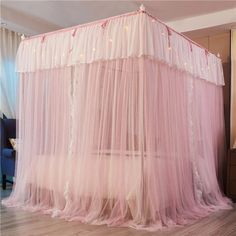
(7, 130)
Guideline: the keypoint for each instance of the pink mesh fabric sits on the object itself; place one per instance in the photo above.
(131, 142)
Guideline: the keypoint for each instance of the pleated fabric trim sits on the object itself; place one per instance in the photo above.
(131, 35)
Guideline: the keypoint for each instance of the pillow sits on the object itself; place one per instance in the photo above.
(14, 143)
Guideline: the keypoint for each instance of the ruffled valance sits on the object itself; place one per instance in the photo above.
(134, 34)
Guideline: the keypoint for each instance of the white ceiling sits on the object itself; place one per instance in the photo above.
(34, 17)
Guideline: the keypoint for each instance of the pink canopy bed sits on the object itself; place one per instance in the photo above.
(120, 123)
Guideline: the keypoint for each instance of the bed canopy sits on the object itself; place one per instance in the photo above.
(120, 123)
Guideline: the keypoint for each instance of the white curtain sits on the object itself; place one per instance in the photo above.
(9, 80)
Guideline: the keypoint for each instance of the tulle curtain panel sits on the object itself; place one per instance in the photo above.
(120, 123)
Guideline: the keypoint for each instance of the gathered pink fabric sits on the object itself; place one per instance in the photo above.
(133, 141)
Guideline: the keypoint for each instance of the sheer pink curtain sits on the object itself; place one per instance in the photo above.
(125, 128)
(125, 142)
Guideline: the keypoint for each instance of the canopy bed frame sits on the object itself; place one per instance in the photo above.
(120, 123)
